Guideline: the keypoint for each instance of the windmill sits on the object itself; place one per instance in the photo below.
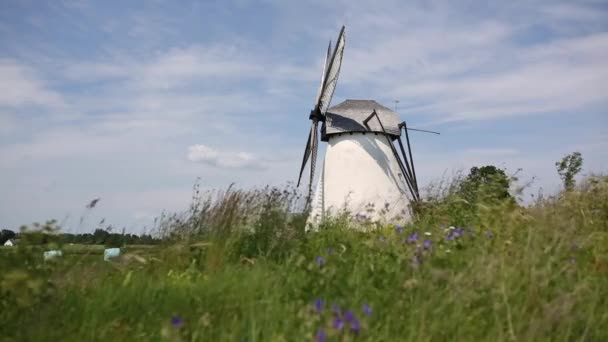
(362, 170)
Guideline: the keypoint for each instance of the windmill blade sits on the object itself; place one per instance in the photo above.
(411, 158)
(306, 153)
(323, 74)
(333, 71)
(327, 58)
(313, 159)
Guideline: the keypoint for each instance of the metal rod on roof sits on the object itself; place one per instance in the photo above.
(401, 125)
(422, 130)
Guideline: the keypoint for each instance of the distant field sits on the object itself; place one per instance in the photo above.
(92, 249)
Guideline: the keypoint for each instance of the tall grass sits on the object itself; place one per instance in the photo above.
(238, 266)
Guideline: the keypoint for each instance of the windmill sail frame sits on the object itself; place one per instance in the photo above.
(406, 168)
(327, 59)
(329, 80)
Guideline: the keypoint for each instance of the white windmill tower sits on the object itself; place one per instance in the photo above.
(363, 172)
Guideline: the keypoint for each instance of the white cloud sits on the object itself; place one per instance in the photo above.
(542, 88)
(20, 86)
(179, 67)
(405, 55)
(211, 156)
(563, 75)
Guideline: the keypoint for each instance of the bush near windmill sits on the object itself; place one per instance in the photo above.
(464, 198)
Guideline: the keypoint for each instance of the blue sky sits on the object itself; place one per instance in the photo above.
(133, 102)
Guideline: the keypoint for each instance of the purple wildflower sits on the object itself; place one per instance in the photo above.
(177, 321)
(349, 316)
(355, 326)
(320, 336)
(367, 309)
(458, 232)
(399, 229)
(338, 323)
(319, 305)
(450, 236)
(320, 260)
(427, 244)
(413, 238)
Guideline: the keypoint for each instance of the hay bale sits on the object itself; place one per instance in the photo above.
(48, 255)
(110, 253)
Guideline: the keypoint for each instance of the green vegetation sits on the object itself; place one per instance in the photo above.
(475, 266)
(569, 167)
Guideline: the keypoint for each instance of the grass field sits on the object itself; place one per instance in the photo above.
(489, 271)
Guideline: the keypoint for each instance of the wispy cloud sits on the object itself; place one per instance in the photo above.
(183, 66)
(20, 86)
(570, 75)
(222, 159)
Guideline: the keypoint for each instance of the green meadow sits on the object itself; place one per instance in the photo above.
(238, 266)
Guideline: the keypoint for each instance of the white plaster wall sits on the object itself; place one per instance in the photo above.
(360, 173)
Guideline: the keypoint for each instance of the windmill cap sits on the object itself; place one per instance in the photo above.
(349, 116)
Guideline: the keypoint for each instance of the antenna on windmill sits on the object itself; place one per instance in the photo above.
(401, 125)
